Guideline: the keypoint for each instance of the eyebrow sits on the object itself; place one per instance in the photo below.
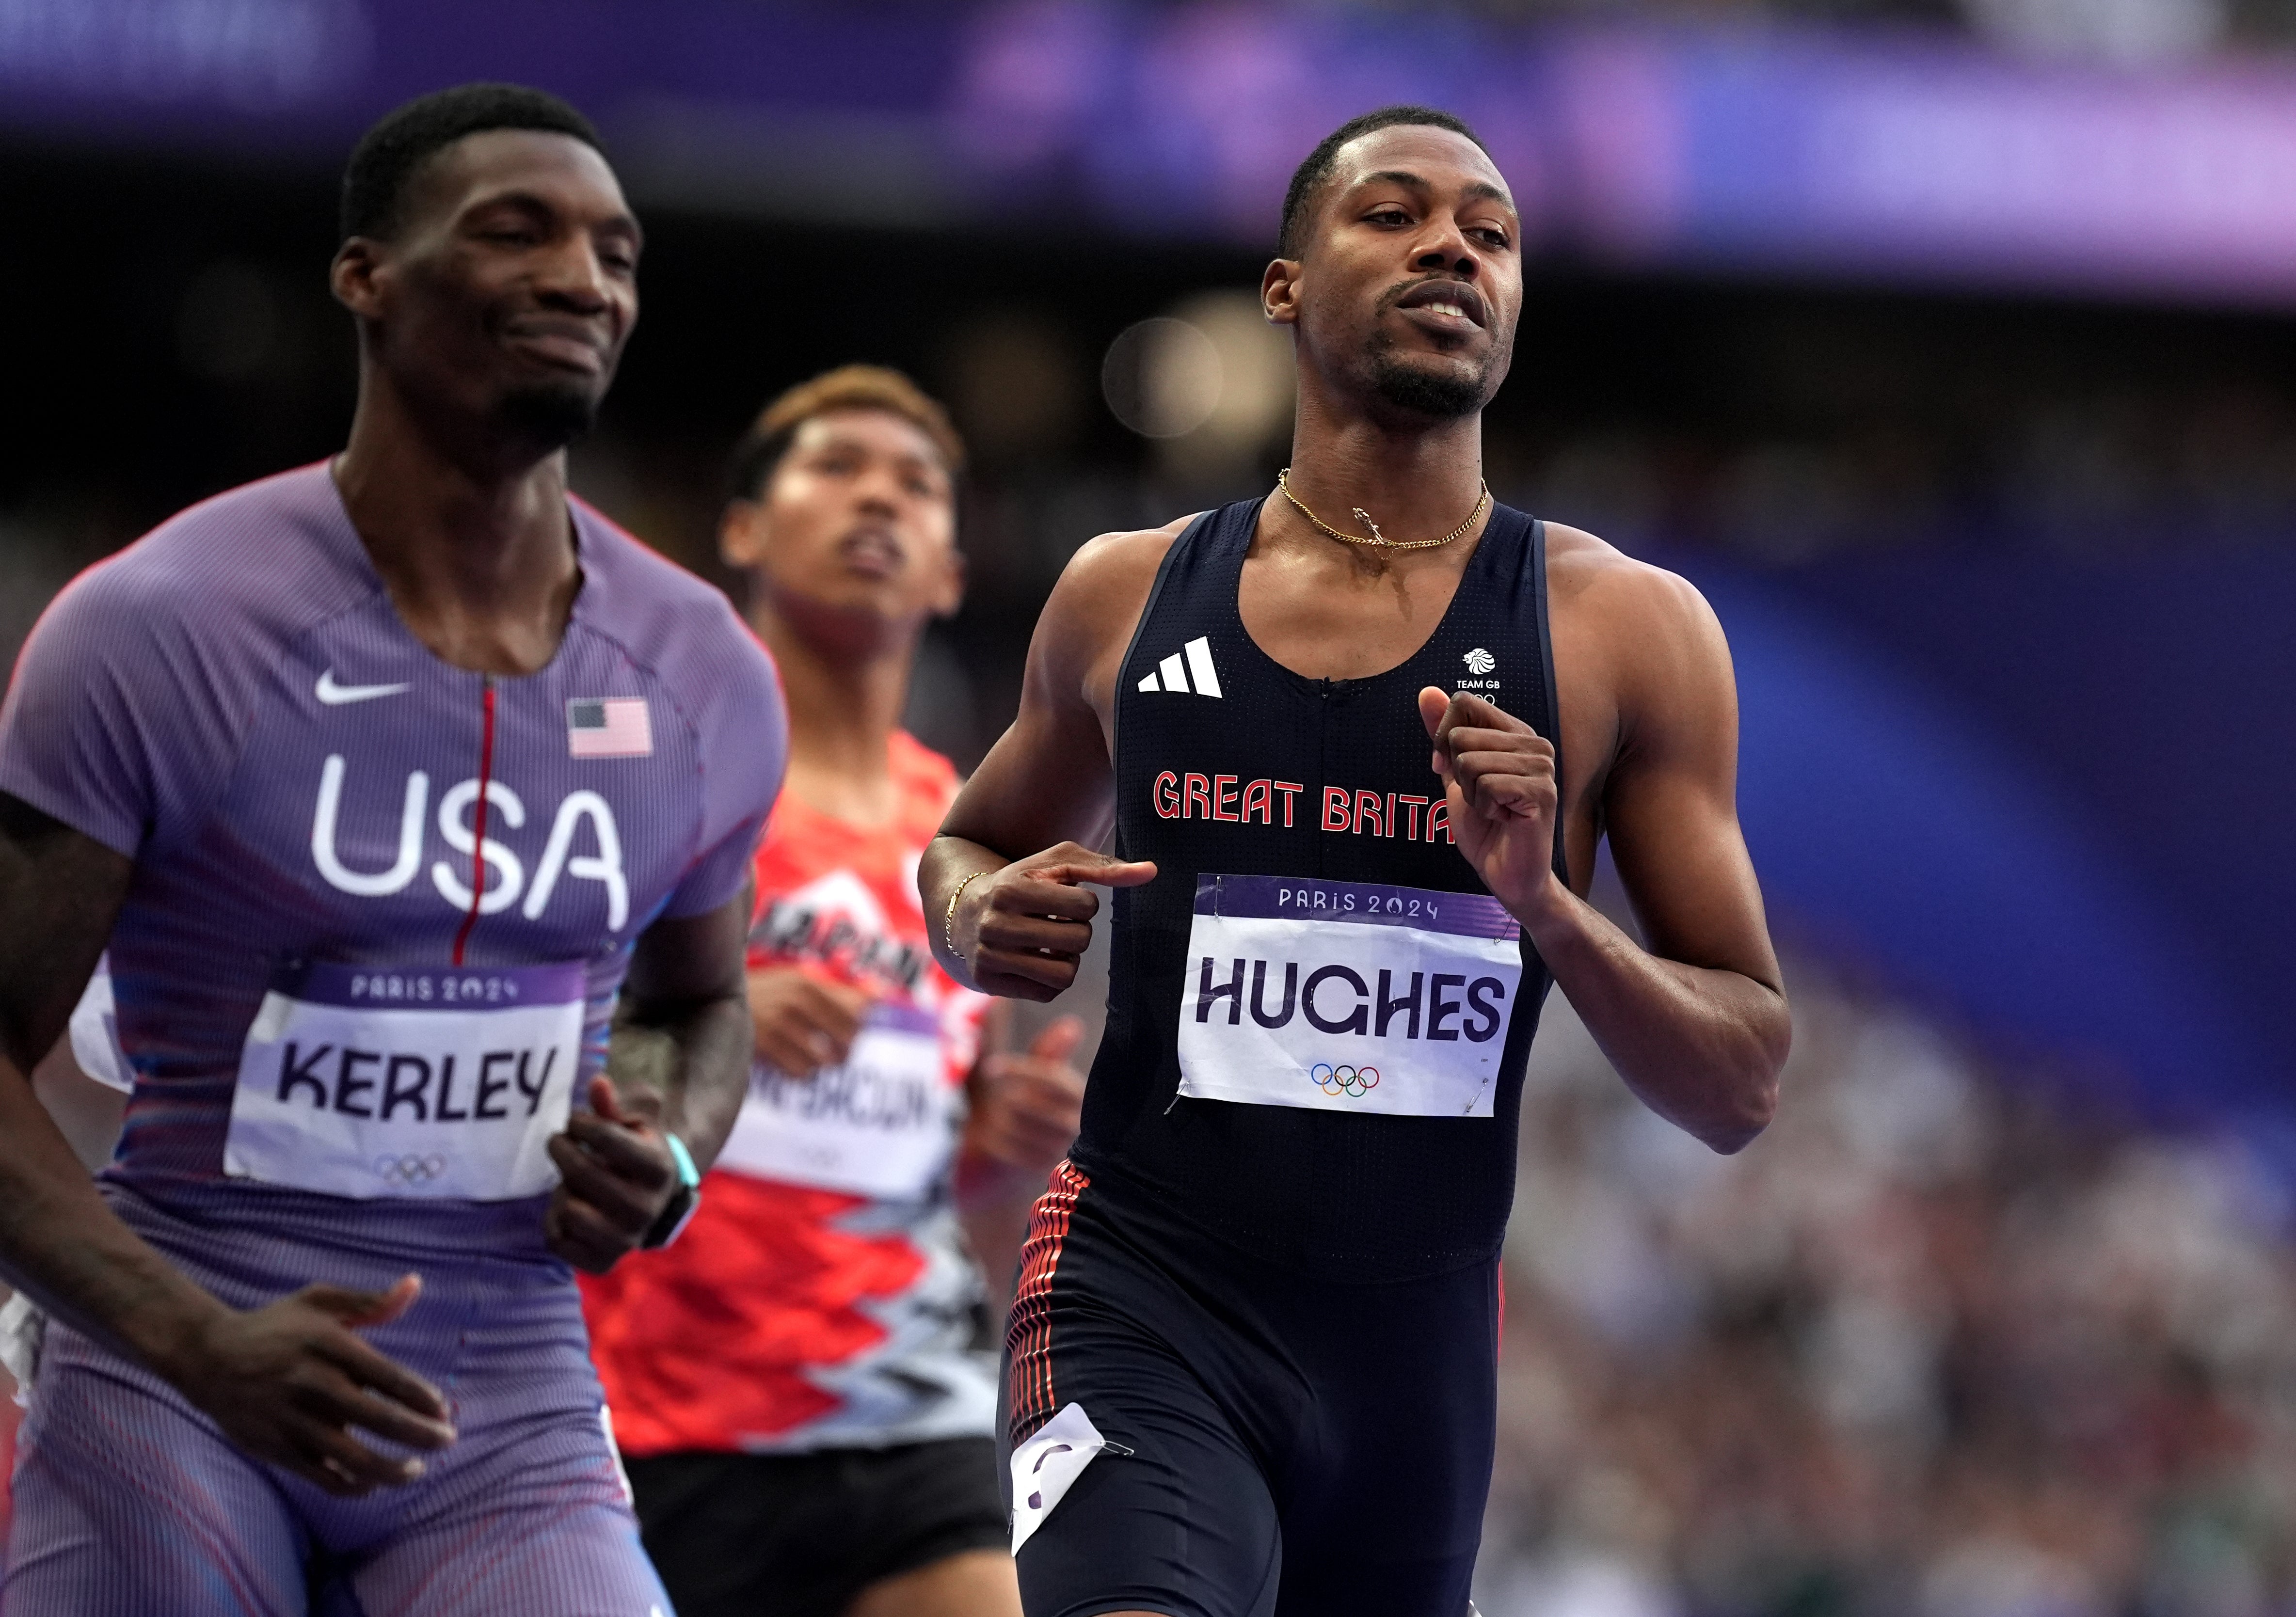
(1398, 176)
(928, 459)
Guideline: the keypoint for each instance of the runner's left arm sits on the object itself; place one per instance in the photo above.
(1696, 1023)
(679, 1063)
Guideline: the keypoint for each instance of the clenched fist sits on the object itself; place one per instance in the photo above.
(1026, 1107)
(1498, 780)
(801, 1024)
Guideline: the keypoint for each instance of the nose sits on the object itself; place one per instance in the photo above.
(1445, 246)
(574, 278)
(878, 490)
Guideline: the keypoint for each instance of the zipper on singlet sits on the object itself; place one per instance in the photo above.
(478, 830)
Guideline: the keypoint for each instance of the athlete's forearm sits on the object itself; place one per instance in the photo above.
(682, 1031)
(696, 1058)
(950, 863)
(63, 1247)
(1702, 1046)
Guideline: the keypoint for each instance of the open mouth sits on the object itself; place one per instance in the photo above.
(1448, 301)
(872, 553)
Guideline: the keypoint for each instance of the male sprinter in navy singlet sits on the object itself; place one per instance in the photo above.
(1250, 1364)
(383, 779)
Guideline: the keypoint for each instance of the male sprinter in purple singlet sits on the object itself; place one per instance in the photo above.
(1358, 741)
(383, 779)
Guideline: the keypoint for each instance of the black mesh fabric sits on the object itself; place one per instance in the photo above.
(1350, 1197)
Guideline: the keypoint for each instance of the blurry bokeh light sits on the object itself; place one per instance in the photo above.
(1161, 378)
(1256, 374)
(1212, 381)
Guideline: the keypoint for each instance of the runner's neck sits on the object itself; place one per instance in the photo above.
(479, 560)
(1417, 481)
(842, 712)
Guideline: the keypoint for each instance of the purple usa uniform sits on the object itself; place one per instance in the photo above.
(379, 911)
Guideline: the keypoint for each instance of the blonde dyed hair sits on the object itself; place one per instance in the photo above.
(847, 387)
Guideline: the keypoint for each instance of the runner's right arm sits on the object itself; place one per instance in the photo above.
(285, 1380)
(1021, 920)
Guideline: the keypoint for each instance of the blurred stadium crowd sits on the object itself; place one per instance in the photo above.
(2123, 30)
(1944, 1343)
(1951, 1340)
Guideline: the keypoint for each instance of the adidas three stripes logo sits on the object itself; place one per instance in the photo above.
(1194, 677)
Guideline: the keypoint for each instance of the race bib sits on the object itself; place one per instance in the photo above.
(1343, 996)
(366, 1082)
(882, 1124)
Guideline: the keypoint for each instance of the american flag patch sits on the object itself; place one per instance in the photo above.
(609, 727)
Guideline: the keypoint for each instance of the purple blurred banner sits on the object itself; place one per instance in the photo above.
(1893, 158)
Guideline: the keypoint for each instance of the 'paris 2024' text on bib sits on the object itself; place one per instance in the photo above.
(1343, 996)
(385, 1081)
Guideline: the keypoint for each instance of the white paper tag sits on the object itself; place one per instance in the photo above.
(883, 1123)
(95, 1032)
(1045, 1467)
(431, 1081)
(24, 1329)
(1341, 996)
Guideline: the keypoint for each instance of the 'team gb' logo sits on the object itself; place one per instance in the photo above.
(1480, 662)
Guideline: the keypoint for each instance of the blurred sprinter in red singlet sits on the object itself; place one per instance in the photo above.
(805, 1385)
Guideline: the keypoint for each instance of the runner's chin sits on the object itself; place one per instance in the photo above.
(555, 412)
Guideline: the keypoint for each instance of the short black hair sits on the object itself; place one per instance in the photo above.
(1310, 177)
(388, 155)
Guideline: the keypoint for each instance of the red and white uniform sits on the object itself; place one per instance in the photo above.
(824, 1298)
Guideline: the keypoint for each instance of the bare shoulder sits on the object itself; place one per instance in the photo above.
(1102, 591)
(1120, 561)
(1639, 654)
(1624, 610)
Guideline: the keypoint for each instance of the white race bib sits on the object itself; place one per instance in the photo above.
(363, 1080)
(1341, 996)
(882, 1124)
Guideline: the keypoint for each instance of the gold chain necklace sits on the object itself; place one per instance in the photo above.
(1284, 483)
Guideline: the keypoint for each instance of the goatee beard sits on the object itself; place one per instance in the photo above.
(1444, 396)
(551, 417)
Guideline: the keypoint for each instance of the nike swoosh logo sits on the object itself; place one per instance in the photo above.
(335, 696)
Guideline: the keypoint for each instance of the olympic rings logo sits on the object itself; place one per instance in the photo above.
(410, 1169)
(1353, 1082)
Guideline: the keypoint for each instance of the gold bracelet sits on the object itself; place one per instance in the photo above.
(949, 921)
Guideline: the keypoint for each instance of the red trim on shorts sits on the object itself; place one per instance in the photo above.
(1028, 1336)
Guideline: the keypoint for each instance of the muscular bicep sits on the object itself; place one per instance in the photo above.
(1049, 779)
(683, 961)
(1045, 780)
(1670, 802)
(59, 892)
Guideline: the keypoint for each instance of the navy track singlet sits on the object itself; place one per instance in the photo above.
(1227, 762)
